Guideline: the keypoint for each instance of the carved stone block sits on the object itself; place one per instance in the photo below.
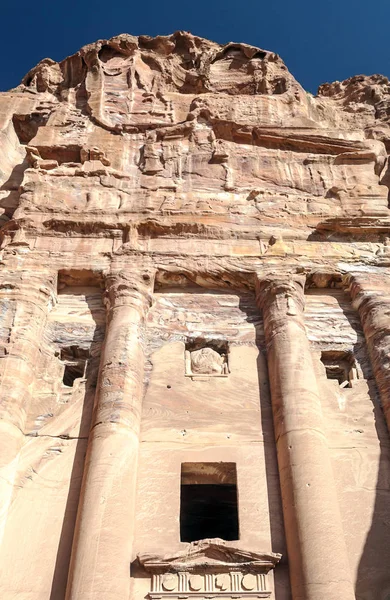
(206, 361)
(210, 569)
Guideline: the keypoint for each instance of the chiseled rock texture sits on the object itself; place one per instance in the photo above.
(188, 172)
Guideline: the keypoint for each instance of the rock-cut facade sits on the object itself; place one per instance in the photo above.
(194, 328)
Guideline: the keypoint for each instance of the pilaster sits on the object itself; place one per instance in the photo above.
(371, 298)
(29, 299)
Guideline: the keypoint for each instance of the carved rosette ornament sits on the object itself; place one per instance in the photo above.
(208, 569)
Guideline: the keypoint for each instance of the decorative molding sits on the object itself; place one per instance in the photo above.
(210, 568)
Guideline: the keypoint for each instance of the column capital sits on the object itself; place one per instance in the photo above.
(129, 286)
(367, 291)
(288, 289)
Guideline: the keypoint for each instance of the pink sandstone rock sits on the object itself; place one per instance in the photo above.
(195, 338)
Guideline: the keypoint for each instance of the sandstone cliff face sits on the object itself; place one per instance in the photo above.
(146, 186)
(158, 125)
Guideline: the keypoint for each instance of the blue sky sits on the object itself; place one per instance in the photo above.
(319, 40)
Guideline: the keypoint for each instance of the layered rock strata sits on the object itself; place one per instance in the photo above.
(194, 292)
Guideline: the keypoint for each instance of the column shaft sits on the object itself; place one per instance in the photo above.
(102, 547)
(371, 298)
(318, 561)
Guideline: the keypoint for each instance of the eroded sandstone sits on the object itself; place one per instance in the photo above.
(194, 313)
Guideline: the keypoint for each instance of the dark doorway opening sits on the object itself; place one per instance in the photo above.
(208, 502)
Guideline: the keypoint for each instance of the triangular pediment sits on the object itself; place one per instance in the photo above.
(210, 553)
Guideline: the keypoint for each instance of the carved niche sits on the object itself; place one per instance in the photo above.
(206, 361)
(210, 569)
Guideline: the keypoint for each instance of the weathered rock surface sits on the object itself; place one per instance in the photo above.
(194, 271)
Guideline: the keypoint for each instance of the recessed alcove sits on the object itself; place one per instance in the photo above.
(206, 357)
(202, 456)
(74, 359)
(340, 366)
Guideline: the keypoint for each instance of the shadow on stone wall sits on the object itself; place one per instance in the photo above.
(10, 201)
(281, 576)
(278, 539)
(60, 576)
(373, 575)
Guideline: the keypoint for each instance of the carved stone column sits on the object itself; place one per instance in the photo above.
(371, 298)
(102, 547)
(29, 300)
(318, 561)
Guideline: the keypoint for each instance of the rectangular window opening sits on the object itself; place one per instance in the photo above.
(208, 502)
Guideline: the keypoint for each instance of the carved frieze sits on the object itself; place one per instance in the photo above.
(210, 569)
